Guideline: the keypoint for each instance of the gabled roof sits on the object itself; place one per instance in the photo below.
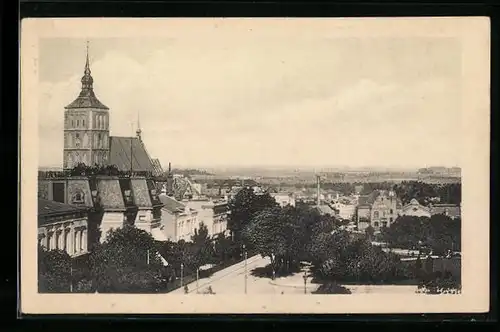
(48, 208)
(172, 205)
(122, 148)
(368, 199)
(447, 209)
(325, 209)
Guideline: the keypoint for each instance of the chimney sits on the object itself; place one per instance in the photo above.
(317, 190)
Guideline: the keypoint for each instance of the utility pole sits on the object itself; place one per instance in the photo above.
(245, 253)
(71, 278)
(182, 274)
(197, 278)
(131, 149)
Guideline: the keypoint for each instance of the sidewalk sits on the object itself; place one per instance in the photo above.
(227, 273)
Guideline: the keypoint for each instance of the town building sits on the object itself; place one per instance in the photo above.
(379, 209)
(345, 208)
(284, 199)
(63, 226)
(451, 210)
(178, 220)
(415, 209)
(212, 213)
(127, 195)
(87, 139)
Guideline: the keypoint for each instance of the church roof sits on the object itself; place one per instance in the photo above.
(121, 149)
(87, 98)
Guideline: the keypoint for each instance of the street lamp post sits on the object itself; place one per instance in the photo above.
(305, 282)
(245, 253)
(197, 278)
(182, 274)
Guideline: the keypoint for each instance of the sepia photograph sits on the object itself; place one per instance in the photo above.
(238, 160)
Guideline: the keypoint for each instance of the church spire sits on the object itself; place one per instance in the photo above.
(87, 80)
(138, 131)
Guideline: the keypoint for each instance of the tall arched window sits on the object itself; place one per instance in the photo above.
(99, 141)
(83, 123)
(78, 122)
(77, 140)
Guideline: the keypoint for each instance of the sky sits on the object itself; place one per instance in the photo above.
(257, 99)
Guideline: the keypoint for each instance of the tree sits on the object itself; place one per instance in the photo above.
(245, 205)
(127, 261)
(202, 246)
(266, 233)
(369, 231)
(54, 271)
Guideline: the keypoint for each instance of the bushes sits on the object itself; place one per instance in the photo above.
(331, 288)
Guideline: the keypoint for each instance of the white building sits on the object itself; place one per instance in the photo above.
(211, 213)
(178, 220)
(62, 226)
(415, 209)
(284, 199)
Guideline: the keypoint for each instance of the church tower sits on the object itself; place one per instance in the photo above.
(86, 126)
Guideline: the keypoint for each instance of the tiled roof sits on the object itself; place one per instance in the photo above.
(87, 99)
(171, 204)
(110, 194)
(141, 193)
(449, 209)
(368, 199)
(325, 209)
(48, 208)
(121, 149)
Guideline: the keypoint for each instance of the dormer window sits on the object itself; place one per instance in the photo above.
(128, 196)
(78, 198)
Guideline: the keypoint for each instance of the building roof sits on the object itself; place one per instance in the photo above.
(450, 210)
(48, 208)
(110, 194)
(171, 205)
(122, 148)
(325, 209)
(368, 199)
(87, 98)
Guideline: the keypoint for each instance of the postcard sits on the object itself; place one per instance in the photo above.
(257, 165)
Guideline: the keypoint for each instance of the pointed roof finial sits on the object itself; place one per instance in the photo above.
(138, 130)
(87, 66)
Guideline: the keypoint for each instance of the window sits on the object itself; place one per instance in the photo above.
(58, 235)
(83, 123)
(72, 123)
(375, 224)
(390, 219)
(65, 243)
(77, 140)
(78, 123)
(49, 241)
(75, 249)
(384, 224)
(376, 214)
(99, 140)
(391, 211)
(81, 241)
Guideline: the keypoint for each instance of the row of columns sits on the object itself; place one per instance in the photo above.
(73, 240)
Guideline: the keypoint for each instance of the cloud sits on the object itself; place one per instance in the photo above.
(249, 105)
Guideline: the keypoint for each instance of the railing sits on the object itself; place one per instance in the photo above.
(91, 173)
